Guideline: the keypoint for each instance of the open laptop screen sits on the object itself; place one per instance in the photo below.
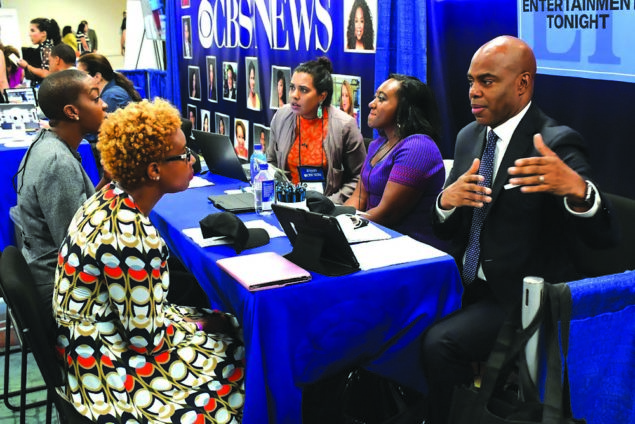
(219, 154)
(20, 95)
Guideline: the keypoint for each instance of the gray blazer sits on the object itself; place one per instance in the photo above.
(343, 146)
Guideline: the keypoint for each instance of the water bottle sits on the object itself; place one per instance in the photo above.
(257, 157)
(264, 190)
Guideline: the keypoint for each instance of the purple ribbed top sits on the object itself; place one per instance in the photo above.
(414, 162)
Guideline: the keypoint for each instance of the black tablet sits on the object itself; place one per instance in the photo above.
(319, 244)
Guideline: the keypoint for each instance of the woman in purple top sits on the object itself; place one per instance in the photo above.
(403, 172)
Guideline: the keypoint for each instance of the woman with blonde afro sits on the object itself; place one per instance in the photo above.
(142, 358)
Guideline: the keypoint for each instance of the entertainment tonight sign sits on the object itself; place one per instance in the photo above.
(581, 38)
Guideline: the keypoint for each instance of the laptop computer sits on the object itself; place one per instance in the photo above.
(219, 154)
(21, 95)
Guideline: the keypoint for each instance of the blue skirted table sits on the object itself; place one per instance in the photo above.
(297, 334)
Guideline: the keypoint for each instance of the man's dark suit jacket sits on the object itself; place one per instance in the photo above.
(524, 234)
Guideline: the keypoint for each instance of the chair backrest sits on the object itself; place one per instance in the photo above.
(595, 262)
(35, 327)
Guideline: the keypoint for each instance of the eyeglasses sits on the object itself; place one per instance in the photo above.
(185, 156)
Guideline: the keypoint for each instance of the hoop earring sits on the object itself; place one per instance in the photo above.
(319, 112)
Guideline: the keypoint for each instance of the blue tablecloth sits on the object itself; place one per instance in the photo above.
(298, 334)
(10, 158)
(602, 349)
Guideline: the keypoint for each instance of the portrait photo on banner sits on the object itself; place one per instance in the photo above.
(241, 138)
(187, 36)
(360, 26)
(191, 115)
(260, 136)
(280, 79)
(210, 70)
(194, 82)
(252, 74)
(221, 123)
(230, 78)
(347, 91)
(205, 120)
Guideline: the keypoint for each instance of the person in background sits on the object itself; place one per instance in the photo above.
(5, 66)
(360, 34)
(403, 173)
(92, 36)
(521, 223)
(68, 38)
(46, 34)
(123, 34)
(253, 99)
(116, 90)
(15, 74)
(346, 99)
(131, 355)
(83, 42)
(62, 57)
(51, 182)
(314, 141)
(282, 89)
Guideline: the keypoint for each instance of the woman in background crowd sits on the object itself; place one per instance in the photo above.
(116, 90)
(83, 42)
(346, 99)
(314, 141)
(282, 89)
(403, 172)
(130, 355)
(15, 74)
(46, 34)
(68, 37)
(360, 33)
(5, 64)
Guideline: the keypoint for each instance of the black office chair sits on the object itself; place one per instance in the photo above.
(36, 331)
(10, 348)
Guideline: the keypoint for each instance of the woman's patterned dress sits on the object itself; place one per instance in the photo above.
(130, 356)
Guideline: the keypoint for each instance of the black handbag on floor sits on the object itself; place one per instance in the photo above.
(493, 403)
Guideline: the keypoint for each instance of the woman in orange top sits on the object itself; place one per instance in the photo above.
(313, 141)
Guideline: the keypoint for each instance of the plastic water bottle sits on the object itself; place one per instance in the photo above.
(264, 190)
(257, 157)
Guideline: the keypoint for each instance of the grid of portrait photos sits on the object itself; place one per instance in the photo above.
(218, 80)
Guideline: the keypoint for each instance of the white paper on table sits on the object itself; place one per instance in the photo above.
(199, 182)
(196, 234)
(12, 138)
(398, 250)
(368, 232)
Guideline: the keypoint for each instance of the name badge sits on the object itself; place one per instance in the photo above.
(313, 177)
